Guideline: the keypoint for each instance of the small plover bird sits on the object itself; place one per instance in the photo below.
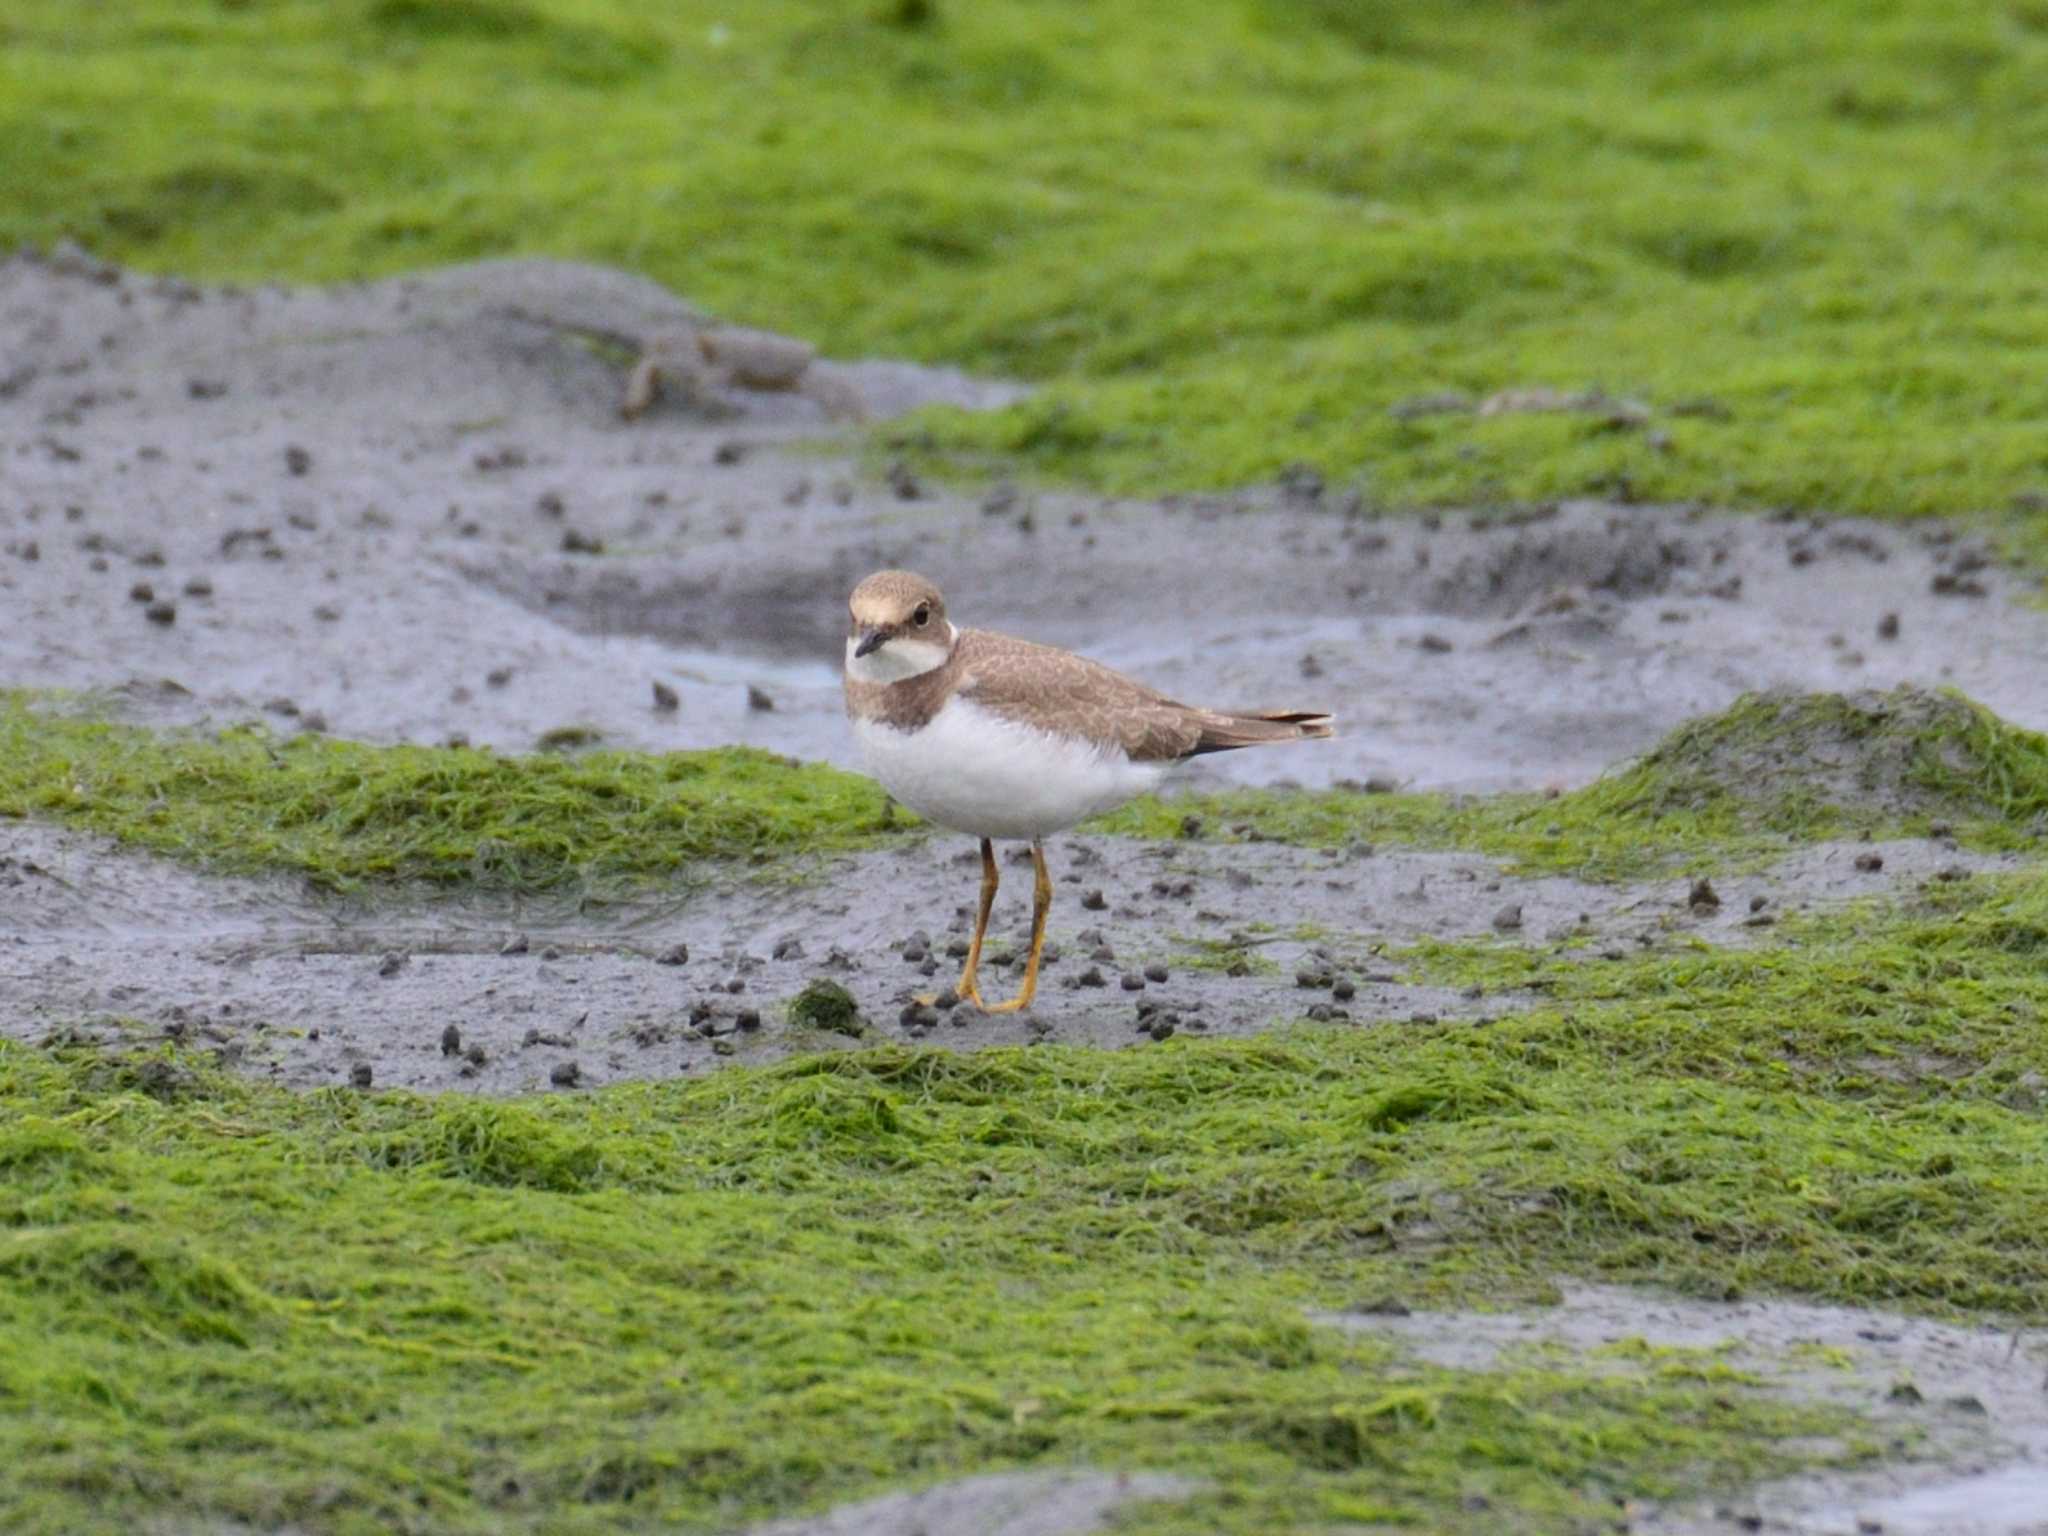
(1002, 738)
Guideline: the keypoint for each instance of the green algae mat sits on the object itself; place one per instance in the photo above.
(1226, 235)
(680, 1305)
(1769, 773)
(684, 1305)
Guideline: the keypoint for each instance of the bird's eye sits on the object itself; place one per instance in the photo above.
(923, 616)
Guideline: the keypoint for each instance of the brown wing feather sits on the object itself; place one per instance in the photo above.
(1056, 690)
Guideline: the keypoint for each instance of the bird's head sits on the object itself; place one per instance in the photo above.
(896, 628)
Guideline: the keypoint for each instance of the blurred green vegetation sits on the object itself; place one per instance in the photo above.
(1227, 235)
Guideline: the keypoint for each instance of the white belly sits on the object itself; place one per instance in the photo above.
(976, 772)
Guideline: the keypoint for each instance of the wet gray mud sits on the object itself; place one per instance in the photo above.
(1146, 941)
(1960, 1409)
(1068, 1503)
(411, 510)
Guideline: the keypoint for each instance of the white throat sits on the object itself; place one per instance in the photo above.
(899, 659)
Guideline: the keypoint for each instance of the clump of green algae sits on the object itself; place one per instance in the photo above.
(1771, 771)
(828, 1006)
(341, 812)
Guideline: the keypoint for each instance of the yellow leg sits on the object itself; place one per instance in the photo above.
(968, 990)
(1041, 908)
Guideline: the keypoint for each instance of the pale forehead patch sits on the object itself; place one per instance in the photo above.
(890, 597)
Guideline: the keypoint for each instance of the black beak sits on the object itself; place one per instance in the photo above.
(870, 640)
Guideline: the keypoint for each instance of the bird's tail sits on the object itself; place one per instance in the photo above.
(1225, 732)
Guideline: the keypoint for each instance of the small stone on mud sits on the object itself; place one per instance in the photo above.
(1906, 1392)
(1094, 901)
(576, 542)
(451, 1041)
(1869, 863)
(565, 1074)
(903, 482)
(551, 952)
(297, 459)
(142, 592)
(516, 945)
(1344, 990)
(748, 1019)
(788, 947)
(1888, 627)
(1092, 977)
(1156, 972)
(1133, 982)
(918, 1016)
(1508, 918)
(1162, 1030)
(957, 949)
(758, 701)
(475, 1056)
(1758, 902)
(1703, 897)
(1313, 978)
(1435, 644)
(361, 1074)
(1382, 1306)
(665, 698)
(164, 613)
(392, 963)
(675, 954)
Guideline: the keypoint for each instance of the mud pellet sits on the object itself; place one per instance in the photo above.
(747, 1019)
(1162, 1030)
(1093, 977)
(1344, 990)
(361, 1075)
(675, 954)
(565, 1074)
(451, 1041)
(1094, 901)
(161, 613)
(1133, 982)
(1157, 972)
(516, 945)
